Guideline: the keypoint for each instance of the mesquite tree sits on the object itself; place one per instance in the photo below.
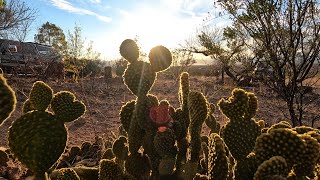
(288, 34)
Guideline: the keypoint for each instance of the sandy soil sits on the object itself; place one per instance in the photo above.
(105, 98)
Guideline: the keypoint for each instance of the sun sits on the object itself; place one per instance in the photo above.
(152, 27)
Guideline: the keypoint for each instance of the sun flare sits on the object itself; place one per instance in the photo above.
(151, 27)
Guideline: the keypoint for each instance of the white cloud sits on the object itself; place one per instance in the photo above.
(96, 1)
(67, 6)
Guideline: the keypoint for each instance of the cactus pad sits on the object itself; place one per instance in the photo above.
(129, 50)
(198, 112)
(7, 100)
(109, 170)
(65, 107)
(160, 58)
(27, 106)
(164, 143)
(272, 168)
(67, 174)
(37, 139)
(119, 148)
(126, 114)
(139, 77)
(217, 158)
(40, 96)
(138, 165)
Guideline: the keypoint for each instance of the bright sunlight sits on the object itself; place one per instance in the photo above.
(154, 27)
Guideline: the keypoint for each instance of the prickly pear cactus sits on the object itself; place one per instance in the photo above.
(198, 112)
(241, 131)
(67, 174)
(142, 117)
(110, 170)
(38, 137)
(139, 76)
(301, 151)
(119, 148)
(7, 99)
(217, 160)
(211, 121)
(274, 168)
(40, 96)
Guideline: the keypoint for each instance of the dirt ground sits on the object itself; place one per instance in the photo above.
(104, 99)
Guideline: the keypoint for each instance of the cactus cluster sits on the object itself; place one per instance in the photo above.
(38, 137)
(159, 141)
(154, 127)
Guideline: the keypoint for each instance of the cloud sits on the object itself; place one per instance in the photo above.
(96, 1)
(67, 6)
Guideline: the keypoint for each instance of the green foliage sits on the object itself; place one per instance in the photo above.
(7, 100)
(51, 34)
(81, 59)
(91, 68)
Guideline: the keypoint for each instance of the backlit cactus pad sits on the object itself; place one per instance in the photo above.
(139, 76)
(39, 137)
(7, 99)
(65, 107)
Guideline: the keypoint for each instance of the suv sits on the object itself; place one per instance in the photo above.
(26, 57)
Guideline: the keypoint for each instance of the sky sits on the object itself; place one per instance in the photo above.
(108, 22)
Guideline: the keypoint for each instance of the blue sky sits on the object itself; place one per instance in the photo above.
(108, 22)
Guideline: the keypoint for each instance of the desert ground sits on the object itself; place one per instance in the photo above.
(104, 98)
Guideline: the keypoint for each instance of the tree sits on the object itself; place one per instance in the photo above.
(90, 53)
(14, 14)
(227, 49)
(20, 33)
(181, 61)
(288, 34)
(75, 42)
(51, 34)
(79, 56)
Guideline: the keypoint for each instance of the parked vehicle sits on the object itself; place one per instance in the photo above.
(26, 57)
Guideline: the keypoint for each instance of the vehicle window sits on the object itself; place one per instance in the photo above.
(28, 49)
(44, 49)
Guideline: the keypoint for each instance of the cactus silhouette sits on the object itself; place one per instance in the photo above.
(38, 137)
(67, 174)
(240, 108)
(7, 99)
